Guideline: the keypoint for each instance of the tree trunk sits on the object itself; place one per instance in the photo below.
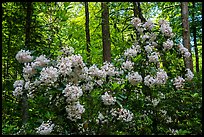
(135, 9)
(87, 32)
(24, 96)
(106, 33)
(138, 11)
(28, 22)
(194, 39)
(186, 34)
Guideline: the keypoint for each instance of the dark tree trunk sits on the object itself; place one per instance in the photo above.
(106, 33)
(27, 46)
(135, 9)
(138, 11)
(194, 39)
(87, 32)
(186, 34)
(28, 22)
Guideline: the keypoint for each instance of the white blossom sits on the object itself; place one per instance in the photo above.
(72, 92)
(161, 77)
(168, 44)
(189, 75)
(179, 82)
(122, 114)
(74, 111)
(128, 65)
(18, 91)
(184, 51)
(148, 48)
(40, 61)
(165, 28)
(18, 83)
(49, 75)
(64, 66)
(24, 56)
(153, 57)
(101, 119)
(133, 51)
(108, 99)
(135, 22)
(108, 68)
(67, 50)
(28, 71)
(149, 81)
(148, 25)
(134, 78)
(45, 128)
(77, 61)
(88, 86)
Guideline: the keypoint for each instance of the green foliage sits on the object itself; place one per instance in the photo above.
(56, 24)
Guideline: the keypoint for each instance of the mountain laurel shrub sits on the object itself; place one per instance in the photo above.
(147, 90)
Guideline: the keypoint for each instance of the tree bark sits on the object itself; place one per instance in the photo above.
(87, 32)
(28, 23)
(186, 34)
(135, 9)
(194, 39)
(138, 11)
(106, 33)
(27, 46)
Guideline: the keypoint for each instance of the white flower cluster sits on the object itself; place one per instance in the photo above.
(108, 99)
(49, 75)
(88, 86)
(45, 128)
(179, 82)
(101, 119)
(134, 78)
(161, 77)
(148, 48)
(77, 61)
(67, 50)
(108, 69)
(128, 65)
(184, 51)
(74, 111)
(18, 85)
(165, 28)
(24, 56)
(148, 25)
(154, 101)
(30, 87)
(95, 71)
(173, 131)
(40, 61)
(189, 75)
(153, 57)
(136, 22)
(28, 71)
(133, 51)
(149, 81)
(122, 114)
(72, 93)
(168, 44)
(64, 66)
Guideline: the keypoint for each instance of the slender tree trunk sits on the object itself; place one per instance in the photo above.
(106, 33)
(194, 39)
(186, 34)
(28, 22)
(135, 9)
(138, 11)
(24, 96)
(87, 32)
